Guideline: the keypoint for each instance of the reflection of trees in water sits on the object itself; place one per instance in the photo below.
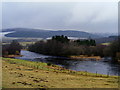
(65, 62)
(59, 61)
(102, 66)
(115, 68)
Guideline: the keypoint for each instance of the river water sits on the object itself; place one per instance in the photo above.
(101, 66)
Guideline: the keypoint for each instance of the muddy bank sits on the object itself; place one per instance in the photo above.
(81, 57)
(12, 56)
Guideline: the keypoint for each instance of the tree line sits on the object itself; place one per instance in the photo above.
(113, 50)
(13, 48)
(62, 46)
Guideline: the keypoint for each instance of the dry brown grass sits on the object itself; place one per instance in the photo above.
(84, 56)
(18, 76)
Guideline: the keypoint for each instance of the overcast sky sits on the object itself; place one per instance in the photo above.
(83, 16)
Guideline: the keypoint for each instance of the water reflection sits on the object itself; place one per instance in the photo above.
(78, 65)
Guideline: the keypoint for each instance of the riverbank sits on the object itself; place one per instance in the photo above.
(12, 56)
(26, 74)
(86, 57)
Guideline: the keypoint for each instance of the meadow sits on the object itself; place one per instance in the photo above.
(27, 74)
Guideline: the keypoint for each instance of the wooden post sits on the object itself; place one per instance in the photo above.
(86, 73)
(96, 73)
(108, 74)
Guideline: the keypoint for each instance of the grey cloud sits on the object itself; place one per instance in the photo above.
(92, 17)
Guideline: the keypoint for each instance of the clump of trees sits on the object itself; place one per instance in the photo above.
(113, 50)
(62, 46)
(90, 42)
(11, 49)
(62, 39)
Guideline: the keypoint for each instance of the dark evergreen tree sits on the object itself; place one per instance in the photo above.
(62, 39)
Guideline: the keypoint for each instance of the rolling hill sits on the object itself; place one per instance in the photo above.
(41, 33)
(26, 34)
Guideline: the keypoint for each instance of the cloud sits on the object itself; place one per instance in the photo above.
(94, 17)
(86, 16)
(82, 13)
(93, 12)
(106, 14)
(37, 15)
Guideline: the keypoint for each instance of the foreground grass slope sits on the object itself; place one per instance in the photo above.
(25, 74)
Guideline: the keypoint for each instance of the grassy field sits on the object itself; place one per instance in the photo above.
(22, 43)
(26, 74)
(105, 44)
(26, 43)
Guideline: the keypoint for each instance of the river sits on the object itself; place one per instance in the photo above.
(101, 66)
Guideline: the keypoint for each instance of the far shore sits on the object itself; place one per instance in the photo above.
(12, 56)
(86, 57)
(76, 57)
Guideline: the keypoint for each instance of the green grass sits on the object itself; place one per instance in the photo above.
(26, 63)
(105, 44)
(51, 67)
(22, 43)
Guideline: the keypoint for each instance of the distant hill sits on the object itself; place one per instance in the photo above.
(39, 33)
(106, 39)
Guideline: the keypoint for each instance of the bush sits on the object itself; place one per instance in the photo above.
(113, 49)
(13, 48)
(49, 64)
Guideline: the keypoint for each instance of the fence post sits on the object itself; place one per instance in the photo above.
(96, 73)
(86, 73)
(108, 74)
